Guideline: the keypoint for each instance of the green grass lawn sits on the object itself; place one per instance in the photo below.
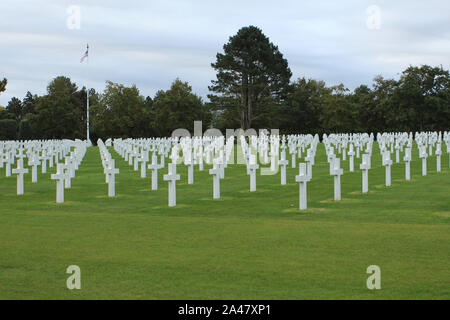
(243, 246)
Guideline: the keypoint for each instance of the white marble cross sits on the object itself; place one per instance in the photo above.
(293, 156)
(303, 178)
(365, 166)
(337, 171)
(20, 171)
(216, 180)
(423, 155)
(34, 164)
(135, 160)
(172, 177)
(351, 154)
(43, 159)
(154, 166)
(252, 166)
(283, 163)
(190, 165)
(397, 152)
(407, 159)
(309, 162)
(438, 154)
(143, 160)
(20, 156)
(111, 172)
(59, 176)
(387, 163)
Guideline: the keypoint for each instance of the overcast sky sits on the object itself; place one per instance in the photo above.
(150, 43)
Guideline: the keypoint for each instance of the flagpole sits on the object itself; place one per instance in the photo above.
(87, 104)
(87, 113)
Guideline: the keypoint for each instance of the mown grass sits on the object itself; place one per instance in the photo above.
(242, 246)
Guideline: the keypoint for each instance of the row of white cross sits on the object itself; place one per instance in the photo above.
(38, 152)
(66, 172)
(268, 146)
(109, 169)
(215, 150)
(387, 142)
(219, 151)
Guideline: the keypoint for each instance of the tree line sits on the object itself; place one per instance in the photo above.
(252, 89)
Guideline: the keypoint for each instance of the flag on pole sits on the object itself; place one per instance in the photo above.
(85, 55)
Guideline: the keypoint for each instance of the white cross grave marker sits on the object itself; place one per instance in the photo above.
(337, 171)
(253, 166)
(172, 177)
(34, 164)
(216, 180)
(303, 178)
(283, 163)
(423, 156)
(438, 154)
(143, 160)
(20, 171)
(387, 162)
(154, 167)
(351, 154)
(59, 176)
(111, 172)
(365, 166)
(407, 159)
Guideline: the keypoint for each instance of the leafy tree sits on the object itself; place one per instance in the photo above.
(252, 76)
(29, 103)
(423, 98)
(15, 108)
(305, 102)
(363, 101)
(385, 115)
(149, 103)
(4, 114)
(8, 129)
(338, 113)
(3, 84)
(58, 113)
(26, 131)
(120, 112)
(177, 108)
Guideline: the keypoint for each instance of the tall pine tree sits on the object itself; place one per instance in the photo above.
(252, 78)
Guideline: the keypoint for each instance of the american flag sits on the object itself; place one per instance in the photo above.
(85, 55)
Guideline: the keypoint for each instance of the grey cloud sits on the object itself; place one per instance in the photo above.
(150, 43)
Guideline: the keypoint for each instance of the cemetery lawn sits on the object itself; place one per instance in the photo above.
(243, 246)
